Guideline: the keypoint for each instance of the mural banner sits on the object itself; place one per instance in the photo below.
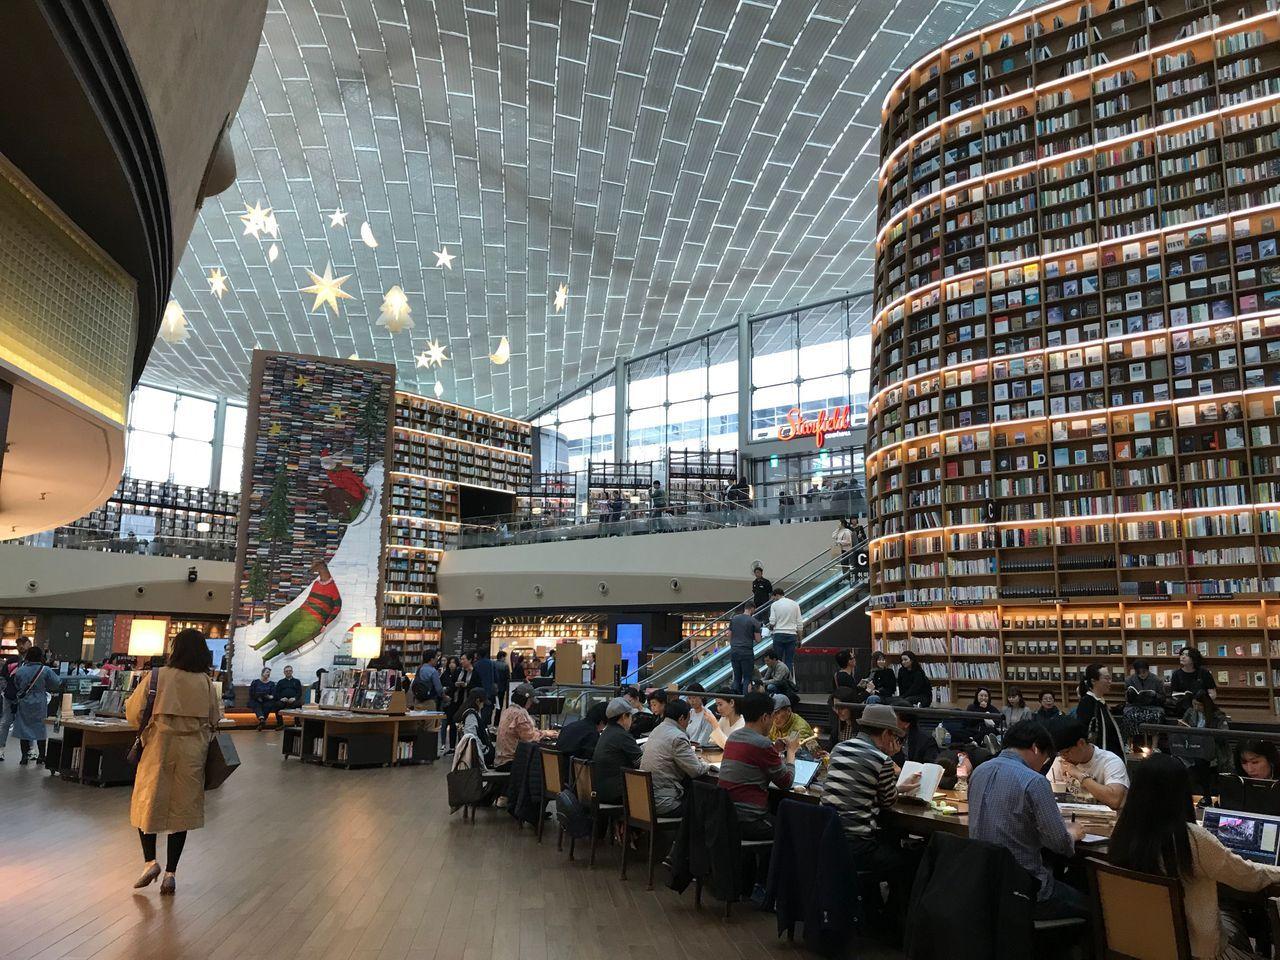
(309, 555)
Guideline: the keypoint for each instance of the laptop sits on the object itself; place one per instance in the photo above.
(806, 770)
(1253, 836)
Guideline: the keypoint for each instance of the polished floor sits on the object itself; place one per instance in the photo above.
(302, 861)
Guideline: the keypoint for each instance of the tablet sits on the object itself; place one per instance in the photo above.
(806, 770)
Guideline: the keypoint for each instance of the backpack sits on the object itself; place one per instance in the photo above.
(572, 814)
(422, 691)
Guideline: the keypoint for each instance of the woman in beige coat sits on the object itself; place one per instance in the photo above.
(168, 793)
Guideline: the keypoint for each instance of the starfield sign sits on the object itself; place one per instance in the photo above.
(826, 422)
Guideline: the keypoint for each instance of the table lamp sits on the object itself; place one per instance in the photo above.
(366, 642)
(146, 639)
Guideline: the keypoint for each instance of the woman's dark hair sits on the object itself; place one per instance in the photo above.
(1015, 694)
(1264, 749)
(842, 659)
(1151, 834)
(34, 655)
(915, 661)
(1207, 704)
(981, 690)
(1091, 673)
(190, 652)
(1197, 658)
(520, 698)
(475, 698)
(877, 655)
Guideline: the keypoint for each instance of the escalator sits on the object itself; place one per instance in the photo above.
(826, 595)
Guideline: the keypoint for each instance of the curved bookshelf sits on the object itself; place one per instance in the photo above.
(1074, 428)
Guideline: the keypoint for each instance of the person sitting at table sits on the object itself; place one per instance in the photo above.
(471, 719)
(1012, 805)
(1093, 712)
(1259, 760)
(262, 698)
(288, 692)
(751, 763)
(668, 755)
(578, 737)
(774, 674)
(730, 720)
(515, 726)
(1157, 833)
(916, 744)
(1099, 772)
(1203, 713)
(616, 749)
(1048, 711)
(844, 725)
(701, 719)
(644, 722)
(786, 721)
(861, 783)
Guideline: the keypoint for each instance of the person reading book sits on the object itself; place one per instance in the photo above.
(1079, 764)
(861, 782)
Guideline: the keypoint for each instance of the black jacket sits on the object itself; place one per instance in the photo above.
(578, 739)
(1104, 732)
(761, 591)
(914, 687)
(708, 845)
(615, 749)
(884, 682)
(289, 687)
(813, 878)
(974, 887)
(524, 789)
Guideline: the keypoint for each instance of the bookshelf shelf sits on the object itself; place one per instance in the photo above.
(1076, 344)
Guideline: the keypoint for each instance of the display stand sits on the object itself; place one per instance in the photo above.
(608, 660)
(568, 662)
(350, 740)
(94, 753)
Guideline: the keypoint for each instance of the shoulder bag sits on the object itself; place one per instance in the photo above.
(135, 752)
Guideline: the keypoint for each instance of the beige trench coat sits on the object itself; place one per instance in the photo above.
(168, 794)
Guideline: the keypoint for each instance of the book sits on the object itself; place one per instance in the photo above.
(930, 775)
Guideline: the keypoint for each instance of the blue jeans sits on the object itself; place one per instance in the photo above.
(785, 644)
(743, 664)
(1064, 903)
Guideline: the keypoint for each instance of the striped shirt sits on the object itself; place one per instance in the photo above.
(751, 762)
(860, 783)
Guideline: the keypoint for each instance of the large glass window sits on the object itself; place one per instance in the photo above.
(579, 429)
(171, 436)
(233, 426)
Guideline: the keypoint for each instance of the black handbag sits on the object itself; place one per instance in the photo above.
(572, 814)
(221, 761)
(465, 787)
(134, 756)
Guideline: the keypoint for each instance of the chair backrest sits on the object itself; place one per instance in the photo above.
(1273, 918)
(552, 778)
(582, 780)
(1139, 916)
(637, 797)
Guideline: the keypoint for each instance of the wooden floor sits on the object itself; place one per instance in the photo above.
(303, 861)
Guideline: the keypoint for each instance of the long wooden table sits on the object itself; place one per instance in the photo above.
(341, 738)
(93, 750)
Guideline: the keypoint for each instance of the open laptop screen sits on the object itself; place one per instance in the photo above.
(1251, 836)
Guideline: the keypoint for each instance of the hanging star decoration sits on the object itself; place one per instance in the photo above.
(273, 251)
(338, 218)
(433, 356)
(396, 311)
(439, 389)
(327, 289)
(270, 226)
(173, 326)
(217, 282)
(562, 297)
(503, 353)
(255, 219)
(444, 258)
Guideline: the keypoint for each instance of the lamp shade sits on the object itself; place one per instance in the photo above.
(146, 638)
(366, 642)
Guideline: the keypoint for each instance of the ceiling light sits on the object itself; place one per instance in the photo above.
(338, 218)
(503, 353)
(396, 311)
(327, 288)
(173, 327)
(217, 282)
(366, 234)
(444, 258)
(254, 219)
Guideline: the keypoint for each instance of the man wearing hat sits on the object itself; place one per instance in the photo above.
(787, 722)
(861, 782)
(616, 749)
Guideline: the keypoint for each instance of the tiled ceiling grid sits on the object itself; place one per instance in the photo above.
(674, 163)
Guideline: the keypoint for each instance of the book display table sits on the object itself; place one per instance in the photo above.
(342, 738)
(93, 750)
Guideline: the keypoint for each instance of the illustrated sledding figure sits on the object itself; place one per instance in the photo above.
(346, 493)
(307, 622)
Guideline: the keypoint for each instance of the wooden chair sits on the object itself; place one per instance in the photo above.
(552, 784)
(492, 780)
(606, 812)
(639, 813)
(1137, 916)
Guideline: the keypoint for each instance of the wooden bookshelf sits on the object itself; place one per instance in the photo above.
(1076, 347)
(437, 449)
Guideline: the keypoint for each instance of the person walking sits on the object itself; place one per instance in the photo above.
(744, 634)
(8, 692)
(168, 792)
(33, 682)
(761, 592)
(786, 621)
(502, 678)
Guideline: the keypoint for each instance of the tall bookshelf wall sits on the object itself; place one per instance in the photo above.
(438, 448)
(1074, 430)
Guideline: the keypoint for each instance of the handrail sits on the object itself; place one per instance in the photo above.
(694, 651)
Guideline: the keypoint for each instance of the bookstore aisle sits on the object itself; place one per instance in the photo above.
(294, 862)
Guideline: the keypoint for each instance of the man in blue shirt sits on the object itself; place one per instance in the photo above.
(1012, 805)
(426, 682)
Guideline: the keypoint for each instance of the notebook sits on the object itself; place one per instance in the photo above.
(1252, 836)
